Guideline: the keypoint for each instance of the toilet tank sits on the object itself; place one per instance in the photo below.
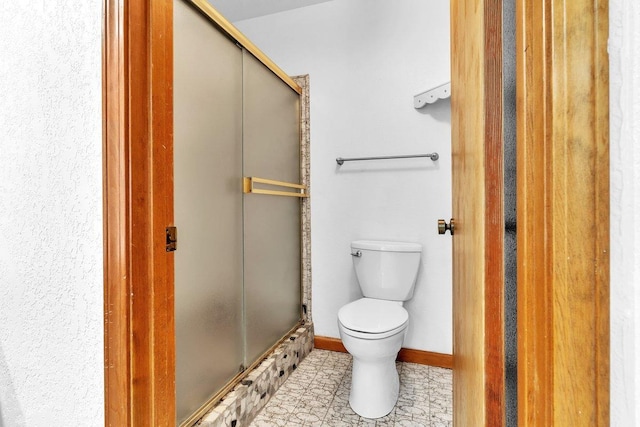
(386, 270)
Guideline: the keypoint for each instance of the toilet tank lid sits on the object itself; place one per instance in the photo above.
(378, 245)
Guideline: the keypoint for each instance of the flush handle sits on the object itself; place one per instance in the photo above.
(356, 254)
(443, 226)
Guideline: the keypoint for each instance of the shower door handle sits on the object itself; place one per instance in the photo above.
(249, 186)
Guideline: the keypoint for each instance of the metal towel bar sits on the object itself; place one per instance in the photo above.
(432, 156)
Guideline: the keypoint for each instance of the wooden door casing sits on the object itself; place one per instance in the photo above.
(138, 206)
(563, 212)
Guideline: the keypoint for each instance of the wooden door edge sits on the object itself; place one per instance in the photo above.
(477, 144)
(494, 363)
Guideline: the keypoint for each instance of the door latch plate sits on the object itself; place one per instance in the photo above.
(172, 238)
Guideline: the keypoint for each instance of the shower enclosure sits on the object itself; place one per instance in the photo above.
(237, 208)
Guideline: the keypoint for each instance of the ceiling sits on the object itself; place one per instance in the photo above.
(237, 10)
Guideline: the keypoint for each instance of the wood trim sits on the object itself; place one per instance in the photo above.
(329, 343)
(138, 205)
(422, 357)
(228, 28)
(535, 364)
(117, 374)
(409, 355)
(563, 212)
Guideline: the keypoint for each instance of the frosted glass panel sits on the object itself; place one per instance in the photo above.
(208, 209)
(272, 223)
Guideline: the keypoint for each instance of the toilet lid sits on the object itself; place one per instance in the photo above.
(372, 316)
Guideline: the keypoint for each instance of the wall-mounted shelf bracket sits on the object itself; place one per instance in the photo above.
(432, 95)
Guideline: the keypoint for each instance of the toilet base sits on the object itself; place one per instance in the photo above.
(374, 378)
(374, 387)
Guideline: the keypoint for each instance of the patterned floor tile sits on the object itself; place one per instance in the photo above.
(317, 394)
(405, 422)
(266, 421)
(409, 408)
(278, 410)
(365, 422)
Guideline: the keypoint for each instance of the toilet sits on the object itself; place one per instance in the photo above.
(372, 328)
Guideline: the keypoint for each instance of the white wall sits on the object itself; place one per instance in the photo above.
(51, 353)
(366, 59)
(624, 45)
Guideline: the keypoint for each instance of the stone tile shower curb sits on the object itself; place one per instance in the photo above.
(240, 406)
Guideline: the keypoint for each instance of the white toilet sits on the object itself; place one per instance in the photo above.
(373, 328)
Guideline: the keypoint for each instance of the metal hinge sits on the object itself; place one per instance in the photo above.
(172, 238)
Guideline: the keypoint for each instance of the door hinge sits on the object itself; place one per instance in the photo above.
(172, 238)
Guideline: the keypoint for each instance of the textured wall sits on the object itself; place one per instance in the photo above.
(366, 60)
(50, 214)
(624, 45)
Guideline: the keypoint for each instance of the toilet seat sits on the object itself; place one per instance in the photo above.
(370, 318)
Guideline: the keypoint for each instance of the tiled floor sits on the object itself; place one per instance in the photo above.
(317, 394)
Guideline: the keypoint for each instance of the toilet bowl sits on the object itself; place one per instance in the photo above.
(373, 328)
(374, 346)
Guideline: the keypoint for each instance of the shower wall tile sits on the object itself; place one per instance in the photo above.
(305, 177)
(244, 402)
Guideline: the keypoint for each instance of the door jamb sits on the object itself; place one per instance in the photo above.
(138, 205)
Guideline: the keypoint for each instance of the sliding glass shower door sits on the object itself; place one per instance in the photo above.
(237, 263)
(271, 140)
(208, 209)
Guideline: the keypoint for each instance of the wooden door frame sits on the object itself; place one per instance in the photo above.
(139, 329)
(137, 154)
(138, 205)
(563, 212)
